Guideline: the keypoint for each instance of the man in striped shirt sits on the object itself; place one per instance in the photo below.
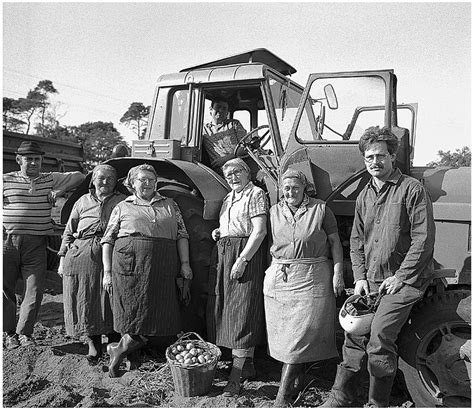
(28, 196)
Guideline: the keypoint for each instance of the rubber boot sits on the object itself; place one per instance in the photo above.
(113, 337)
(379, 391)
(233, 385)
(118, 351)
(248, 371)
(289, 374)
(95, 347)
(343, 390)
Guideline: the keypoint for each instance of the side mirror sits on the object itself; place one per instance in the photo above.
(331, 96)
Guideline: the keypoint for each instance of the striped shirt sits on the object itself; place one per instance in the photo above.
(220, 140)
(26, 208)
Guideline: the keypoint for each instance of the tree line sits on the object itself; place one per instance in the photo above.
(36, 114)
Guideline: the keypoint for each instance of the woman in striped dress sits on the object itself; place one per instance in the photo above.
(145, 247)
(235, 304)
(87, 311)
(301, 283)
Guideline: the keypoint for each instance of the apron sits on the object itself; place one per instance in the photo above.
(300, 310)
(235, 307)
(144, 294)
(87, 310)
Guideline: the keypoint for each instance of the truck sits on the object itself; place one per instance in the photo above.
(314, 129)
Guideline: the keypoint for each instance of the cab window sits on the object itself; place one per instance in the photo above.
(328, 114)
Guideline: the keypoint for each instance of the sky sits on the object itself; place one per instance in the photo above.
(101, 57)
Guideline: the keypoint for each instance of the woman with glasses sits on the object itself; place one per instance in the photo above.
(235, 304)
(87, 311)
(145, 247)
(301, 283)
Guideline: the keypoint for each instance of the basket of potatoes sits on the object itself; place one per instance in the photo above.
(193, 364)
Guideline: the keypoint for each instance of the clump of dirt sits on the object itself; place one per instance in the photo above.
(55, 373)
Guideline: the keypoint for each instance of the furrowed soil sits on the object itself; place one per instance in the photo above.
(56, 373)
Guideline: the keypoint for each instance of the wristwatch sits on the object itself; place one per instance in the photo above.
(244, 259)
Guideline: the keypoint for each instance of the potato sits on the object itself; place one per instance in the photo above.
(199, 350)
(179, 357)
(194, 359)
(180, 348)
(208, 357)
(174, 350)
(193, 351)
(201, 359)
(188, 361)
(189, 346)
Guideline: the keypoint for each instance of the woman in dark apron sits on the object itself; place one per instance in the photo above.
(87, 311)
(235, 304)
(145, 247)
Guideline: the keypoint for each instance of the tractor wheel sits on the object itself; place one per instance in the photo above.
(434, 351)
(200, 248)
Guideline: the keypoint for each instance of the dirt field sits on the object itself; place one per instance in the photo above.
(55, 373)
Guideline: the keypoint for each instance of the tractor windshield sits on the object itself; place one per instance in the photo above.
(333, 104)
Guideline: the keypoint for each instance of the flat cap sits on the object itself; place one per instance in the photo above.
(29, 147)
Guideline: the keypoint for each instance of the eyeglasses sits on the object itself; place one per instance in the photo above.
(237, 173)
(376, 158)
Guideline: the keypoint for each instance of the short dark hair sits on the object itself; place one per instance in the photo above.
(376, 134)
(219, 99)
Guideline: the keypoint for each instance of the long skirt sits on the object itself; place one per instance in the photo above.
(300, 311)
(235, 314)
(87, 310)
(144, 293)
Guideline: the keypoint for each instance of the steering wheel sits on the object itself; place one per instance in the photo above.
(257, 142)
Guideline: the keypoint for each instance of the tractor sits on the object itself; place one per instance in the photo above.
(314, 129)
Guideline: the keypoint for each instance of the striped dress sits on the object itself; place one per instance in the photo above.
(87, 310)
(235, 312)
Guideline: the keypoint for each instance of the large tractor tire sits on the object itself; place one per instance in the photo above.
(434, 350)
(200, 248)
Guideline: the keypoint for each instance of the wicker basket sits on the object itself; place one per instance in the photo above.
(193, 379)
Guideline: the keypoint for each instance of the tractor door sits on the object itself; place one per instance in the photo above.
(335, 110)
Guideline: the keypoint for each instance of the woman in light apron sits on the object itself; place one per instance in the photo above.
(301, 283)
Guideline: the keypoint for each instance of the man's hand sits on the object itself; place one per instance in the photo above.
(391, 285)
(216, 234)
(61, 266)
(238, 269)
(361, 287)
(52, 197)
(338, 283)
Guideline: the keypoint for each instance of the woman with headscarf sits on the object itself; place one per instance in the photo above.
(87, 311)
(301, 283)
(145, 247)
(235, 304)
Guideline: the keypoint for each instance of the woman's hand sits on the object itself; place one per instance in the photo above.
(186, 271)
(238, 269)
(107, 282)
(216, 234)
(61, 266)
(338, 283)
